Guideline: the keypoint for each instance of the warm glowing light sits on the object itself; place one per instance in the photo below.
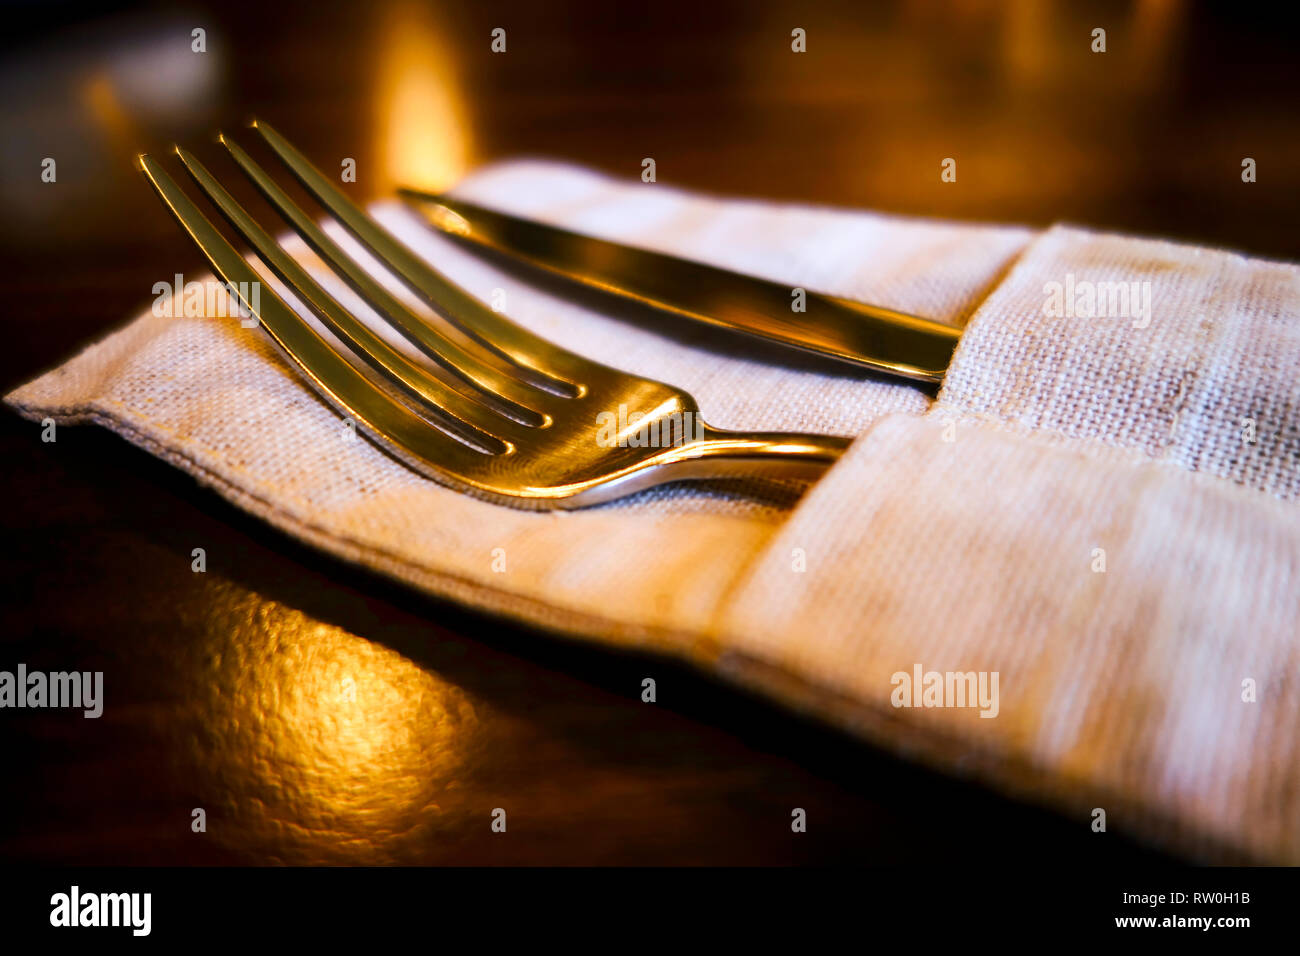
(102, 102)
(322, 733)
(1159, 23)
(422, 132)
(1026, 56)
(447, 220)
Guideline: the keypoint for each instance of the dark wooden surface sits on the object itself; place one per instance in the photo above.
(215, 682)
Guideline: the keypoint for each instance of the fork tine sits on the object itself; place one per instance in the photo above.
(449, 354)
(395, 366)
(394, 426)
(573, 462)
(558, 367)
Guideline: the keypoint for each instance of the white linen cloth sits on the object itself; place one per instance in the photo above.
(1080, 511)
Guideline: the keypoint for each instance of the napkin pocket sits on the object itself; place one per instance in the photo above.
(1109, 633)
(1100, 509)
(1185, 355)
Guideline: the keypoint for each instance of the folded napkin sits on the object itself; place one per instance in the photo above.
(1096, 520)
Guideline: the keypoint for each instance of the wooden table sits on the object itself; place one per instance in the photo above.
(213, 680)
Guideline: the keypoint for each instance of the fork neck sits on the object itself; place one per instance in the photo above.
(766, 454)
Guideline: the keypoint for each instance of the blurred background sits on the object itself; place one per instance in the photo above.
(219, 678)
(1148, 137)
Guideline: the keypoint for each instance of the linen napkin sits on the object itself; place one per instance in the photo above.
(1096, 520)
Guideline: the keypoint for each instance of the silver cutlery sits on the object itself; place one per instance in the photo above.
(498, 412)
(865, 335)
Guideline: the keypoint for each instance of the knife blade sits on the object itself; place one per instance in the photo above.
(867, 336)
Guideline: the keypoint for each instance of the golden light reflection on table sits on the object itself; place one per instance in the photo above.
(324, 746)
(422, 131)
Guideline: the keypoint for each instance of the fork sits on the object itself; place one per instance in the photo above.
(497, 411)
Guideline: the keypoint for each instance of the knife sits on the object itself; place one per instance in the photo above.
(864, 335)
